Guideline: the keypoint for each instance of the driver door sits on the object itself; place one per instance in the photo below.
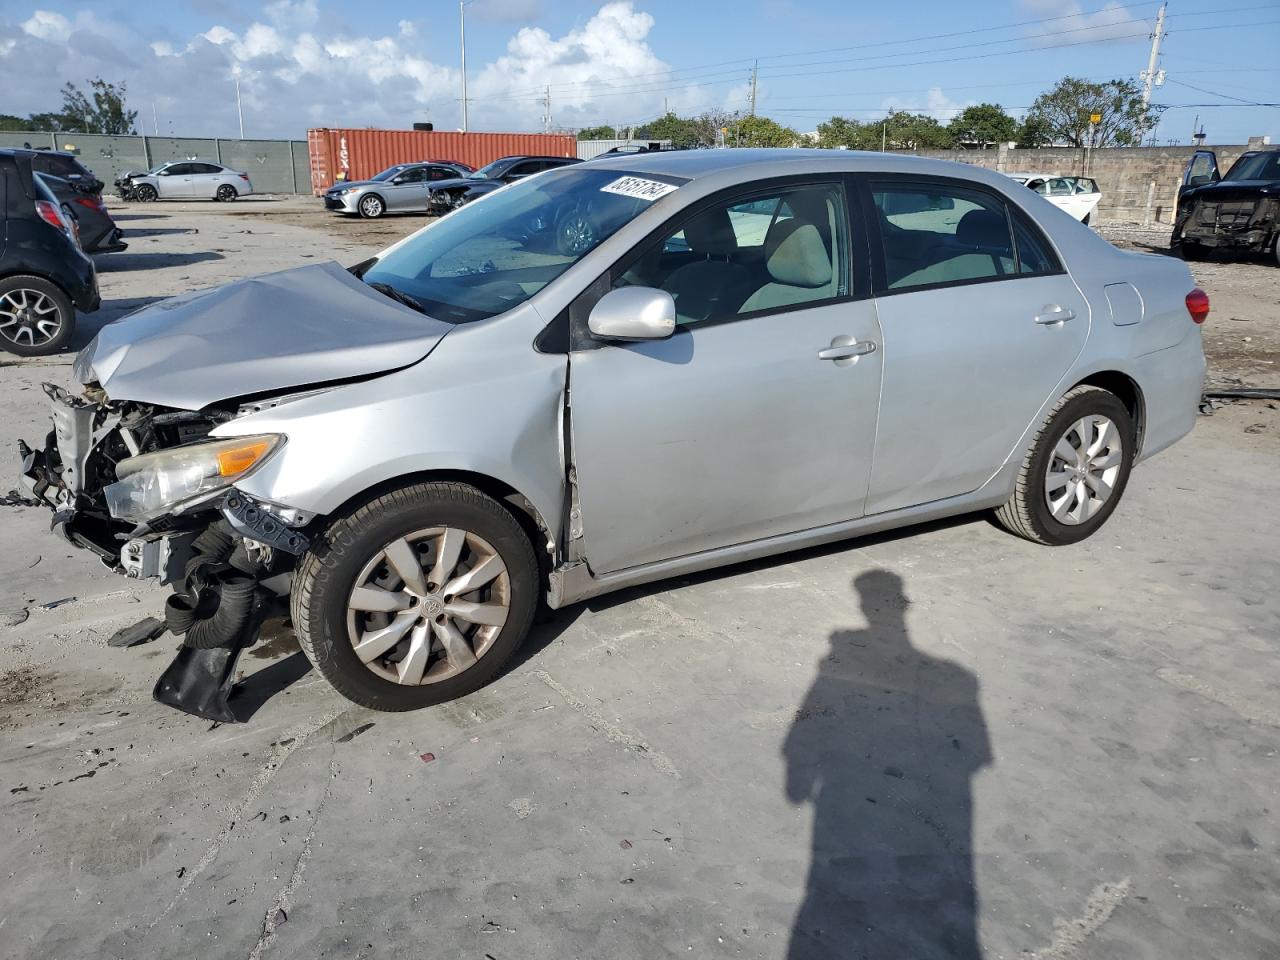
(757, 416)
(407, 190)
(174, 182)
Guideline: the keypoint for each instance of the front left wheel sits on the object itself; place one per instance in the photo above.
(417, 597)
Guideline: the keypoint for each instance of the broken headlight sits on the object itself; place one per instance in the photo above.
(154, 483)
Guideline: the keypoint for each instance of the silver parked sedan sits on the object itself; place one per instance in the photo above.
(403, 188)
(190, 180)
(756, 351)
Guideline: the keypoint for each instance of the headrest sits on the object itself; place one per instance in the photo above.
(711, 232)
(983, 228)
(795, 254)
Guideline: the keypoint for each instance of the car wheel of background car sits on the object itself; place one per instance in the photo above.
(417, 597)
(36, 317)
(1087, 218)
(371, 206)
(145, 192)
(1190, 250)
(575, 235)
(226, 192)
(1076, 470)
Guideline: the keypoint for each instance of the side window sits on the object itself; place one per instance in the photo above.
(180, 169)
(1034, 256)
(1039, 186)
(937, 234)
(440, 173)
(1061, 187)
(766, 252)
(413, 175)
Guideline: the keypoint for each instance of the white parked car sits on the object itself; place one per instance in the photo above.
(1079, 196)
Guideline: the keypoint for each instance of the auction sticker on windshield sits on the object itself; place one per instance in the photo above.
(638, 187)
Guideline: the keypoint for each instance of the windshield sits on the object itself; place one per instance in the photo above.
(492, 255)
(388, 173)
(156, 169)
(1258, 166)
(490, 170)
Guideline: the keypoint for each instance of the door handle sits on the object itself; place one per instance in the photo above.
(1052, 313)
(845, 350)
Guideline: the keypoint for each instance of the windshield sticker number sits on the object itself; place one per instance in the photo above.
(638, 187)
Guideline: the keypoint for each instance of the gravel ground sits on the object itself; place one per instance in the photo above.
(1062, 754)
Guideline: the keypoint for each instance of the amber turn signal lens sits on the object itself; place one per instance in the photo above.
(233, 462)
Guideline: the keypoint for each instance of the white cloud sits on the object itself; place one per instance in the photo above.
(936, 104)
(1072, 25)
(299, 69)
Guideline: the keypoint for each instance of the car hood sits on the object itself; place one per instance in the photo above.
(460, 182)
(343, 184)
(296, 328)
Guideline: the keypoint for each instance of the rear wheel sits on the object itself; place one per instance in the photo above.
(226, 192)
(418, 597)
(1076, 470)
(1191, 250)
(36, 316)
(145, 192)
(371, 207)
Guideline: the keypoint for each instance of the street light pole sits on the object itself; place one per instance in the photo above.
(462, 30)
(239, 109)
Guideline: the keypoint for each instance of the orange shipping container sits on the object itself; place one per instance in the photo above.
(362, 153)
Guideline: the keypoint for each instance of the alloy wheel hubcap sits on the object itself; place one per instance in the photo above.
(28, 317)
(371, 206)
(428, 606)
(1083, 469)
(577, 235)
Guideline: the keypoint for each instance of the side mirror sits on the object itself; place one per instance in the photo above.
(162, 173)
(633, 313)
(1200, 180)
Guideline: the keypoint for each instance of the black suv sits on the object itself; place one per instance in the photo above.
(1238, 212)
(57, 163)
(44, 275)
(448, 195)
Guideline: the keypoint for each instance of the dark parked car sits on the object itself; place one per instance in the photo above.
(446, 195)
(44, 276)
(1238, 212)
(98, 232)
(58, 163)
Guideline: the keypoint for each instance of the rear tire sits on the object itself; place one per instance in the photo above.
(225, 193)
(1058, 497)
(37, 317)
(1191, 251)
(354, 557)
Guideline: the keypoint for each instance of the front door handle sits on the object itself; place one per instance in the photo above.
(1052, 313)
(845, 350)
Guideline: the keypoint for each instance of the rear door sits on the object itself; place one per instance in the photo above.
(980, 322)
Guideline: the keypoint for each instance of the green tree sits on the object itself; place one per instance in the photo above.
(681, 131)
(914, 131)
(1034, 132)
(848, 133)
(758, 131)
(982, 125)
(1065, 111)
(604, 132)
(9, 122)
(103, 110)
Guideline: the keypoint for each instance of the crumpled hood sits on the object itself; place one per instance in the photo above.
(295, 328)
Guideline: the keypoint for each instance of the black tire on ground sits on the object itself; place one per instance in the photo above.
(371, 206)
(1088, 217)
(1027, 511)
(34, 287)
(324, 580)
(145, 193)
(225, 193)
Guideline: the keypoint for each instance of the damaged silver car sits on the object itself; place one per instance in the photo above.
(752, 351)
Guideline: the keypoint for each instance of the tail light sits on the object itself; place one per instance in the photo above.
(51, 215)
(244, 177)
(1198, 305)
(93, 203)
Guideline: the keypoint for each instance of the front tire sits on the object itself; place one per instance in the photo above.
(1192, 251)
(1076, 470)
(418, 597)
(145, 193)
(37, 317)
(371, 207)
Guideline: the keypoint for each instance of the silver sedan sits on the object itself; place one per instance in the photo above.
(402, 188)
(191, 180)
(754, 351)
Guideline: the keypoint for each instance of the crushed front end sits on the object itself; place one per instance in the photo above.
(1244, 221)
(147, 490)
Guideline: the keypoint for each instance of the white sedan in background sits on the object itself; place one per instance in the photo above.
(1079, 196)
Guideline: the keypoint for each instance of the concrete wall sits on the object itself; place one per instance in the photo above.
(1138, 184)
(274, 166)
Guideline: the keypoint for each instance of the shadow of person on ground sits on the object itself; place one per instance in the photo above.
(885, 747)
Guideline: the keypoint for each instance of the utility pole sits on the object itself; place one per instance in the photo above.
(546, 110)
(755, 71)
(1151, 77)
(462, 32)
(239, 109)
(155, 120)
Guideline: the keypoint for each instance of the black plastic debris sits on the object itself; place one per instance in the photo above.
(1243, 393)
(57, 603)
(144, 630)
(348, 737)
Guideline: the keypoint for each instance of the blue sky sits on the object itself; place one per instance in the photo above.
(376, 63)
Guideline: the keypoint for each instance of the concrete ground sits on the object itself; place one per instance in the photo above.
(986, 747)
